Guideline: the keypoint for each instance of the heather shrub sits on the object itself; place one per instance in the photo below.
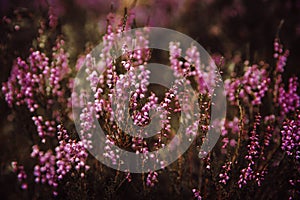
(256, 156)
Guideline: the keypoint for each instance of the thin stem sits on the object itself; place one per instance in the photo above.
(241, 125)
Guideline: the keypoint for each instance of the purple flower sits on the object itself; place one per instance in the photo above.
(197, 194)
(253, 86)
(22, 176)
(290, 134)
(224, 176)
(254, 150)
(151, 179)
(289, 100)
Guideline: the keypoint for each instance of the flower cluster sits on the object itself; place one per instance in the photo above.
(110, 152)
(52, 167)
(224, 176)
(230, 128)
(45, 170)
(269, 122)
(39, 84)
(190, 66)
(44, 128)
(289, 100)
(252, 86)
(197, 194)
(58, 69)
(30, 81)
(175, 54)
(69, 153)
(87, 125)
(291, 136)
(248, 173)
(126, 79)
(22, 176)
(151, 179)
(280, 55)
(26, 81)
(53, 18)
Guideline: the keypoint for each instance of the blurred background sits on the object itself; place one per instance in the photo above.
(235, 29)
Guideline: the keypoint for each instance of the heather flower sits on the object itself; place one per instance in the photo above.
(175, 55)
(289, 100)
(290, 133)
(53, 18)
(269, 122)
(224, 176)
(229, 129)
(151, 179)
(197, 194)
(248, 173)
(26, 81)
(44, 171)
(22, 176)
(295, 188)
(192, 67)
(37, 77)
(53, 167)
(128, 177)
(44, 128)
(111, 152)
(69, 153)
(59, 67)
(192, 129)
(280, 56)
(253, 86)
(87, 124)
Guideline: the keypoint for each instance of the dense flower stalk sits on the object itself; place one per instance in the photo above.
(254, 84)
(248, 173)
(197, 194)
(22, 176)
(224, 176)
(291, 136)
(289, 100)
(151, 179)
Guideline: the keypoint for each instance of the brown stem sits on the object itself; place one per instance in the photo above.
(241, 127)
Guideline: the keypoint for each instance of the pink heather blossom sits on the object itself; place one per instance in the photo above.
(289, 100)
(197, 194)
(22, 176)
(36, 77)
(111, 152)
(280, 55)
(151, 179)
(290, 133)
(69, 153)
(44, 171)
(254, 150)
(224, 176)
(44, 128)
(52, 167)
(253, 86)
